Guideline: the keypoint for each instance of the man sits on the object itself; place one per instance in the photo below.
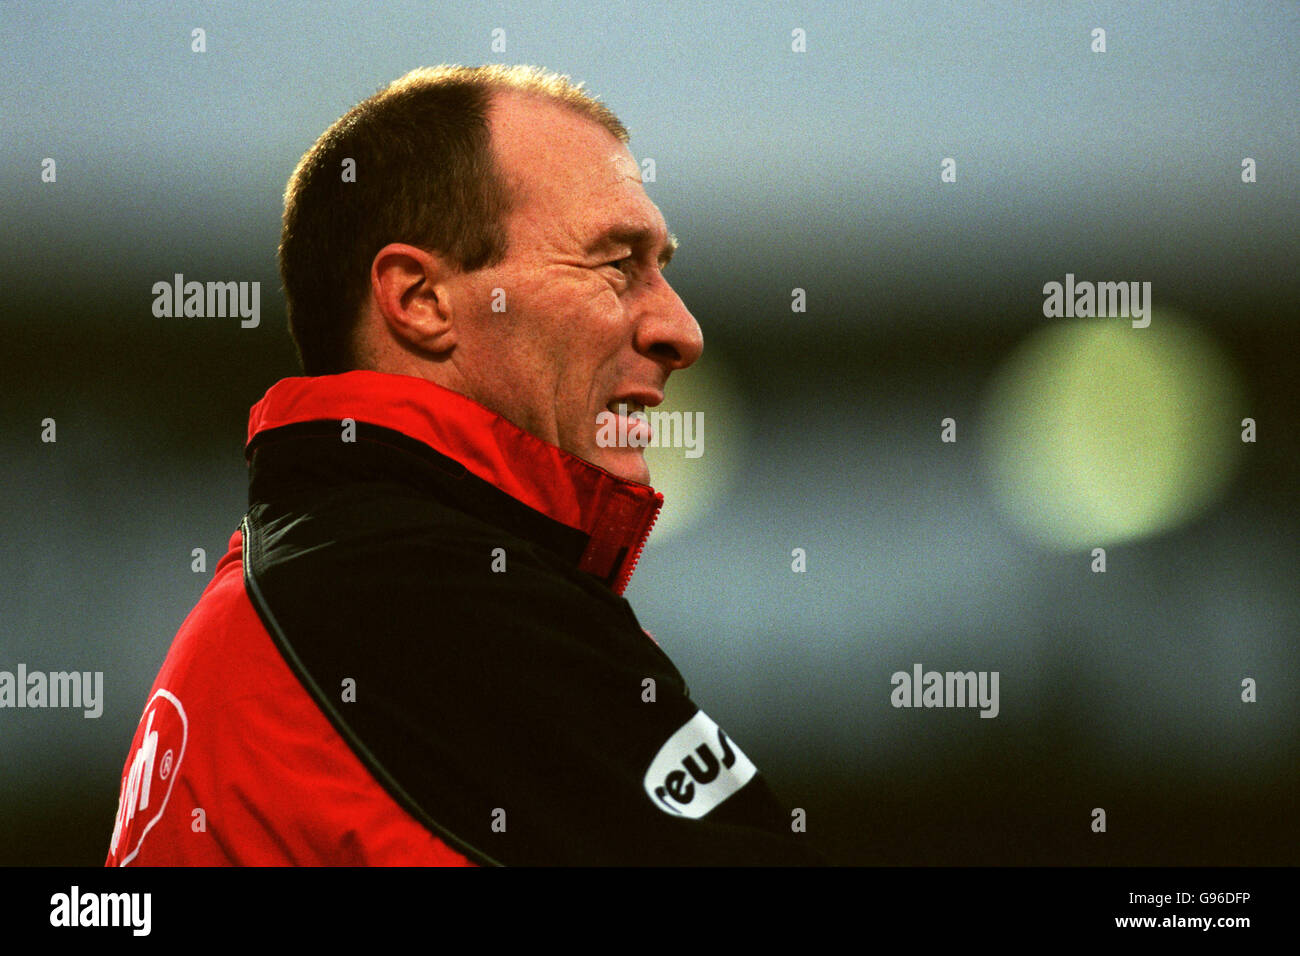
(416, 650)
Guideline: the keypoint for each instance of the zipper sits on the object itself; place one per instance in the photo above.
(630, 565)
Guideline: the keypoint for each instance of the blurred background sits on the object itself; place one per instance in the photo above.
(923, 301)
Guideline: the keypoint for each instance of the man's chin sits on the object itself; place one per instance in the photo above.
(628, 463)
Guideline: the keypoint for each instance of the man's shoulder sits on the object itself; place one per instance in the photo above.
(384, 542)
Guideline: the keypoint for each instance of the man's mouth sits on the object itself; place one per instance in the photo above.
(632, 411)
(629, 428)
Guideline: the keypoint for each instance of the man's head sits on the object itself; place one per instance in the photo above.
(497, 240)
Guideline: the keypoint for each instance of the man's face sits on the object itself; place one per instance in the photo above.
(589, 324)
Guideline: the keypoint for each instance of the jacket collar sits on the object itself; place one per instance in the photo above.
(614, 513)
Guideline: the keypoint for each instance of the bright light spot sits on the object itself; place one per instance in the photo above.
(692, 486)
(1096, 433)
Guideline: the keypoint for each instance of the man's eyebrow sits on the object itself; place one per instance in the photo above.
(635, 237)
(670, 247)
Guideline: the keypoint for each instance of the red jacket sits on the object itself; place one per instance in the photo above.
(474, 694)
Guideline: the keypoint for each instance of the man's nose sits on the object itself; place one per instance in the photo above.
(666, 330)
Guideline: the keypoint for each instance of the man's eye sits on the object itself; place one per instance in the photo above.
(625, 266)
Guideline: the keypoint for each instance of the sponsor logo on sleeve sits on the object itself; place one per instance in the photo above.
(696, 769)
(148, 780)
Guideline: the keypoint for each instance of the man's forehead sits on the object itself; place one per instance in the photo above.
(567, 166)
(544, 142)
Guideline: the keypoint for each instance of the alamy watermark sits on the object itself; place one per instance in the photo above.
(75, 908)
(1084, 300)
(946, 689)
(76, 689)
(211, 300)
(631, 426)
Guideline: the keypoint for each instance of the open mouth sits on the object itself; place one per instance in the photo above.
(632, 411)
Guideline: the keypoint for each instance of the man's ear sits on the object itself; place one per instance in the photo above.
(412, 295)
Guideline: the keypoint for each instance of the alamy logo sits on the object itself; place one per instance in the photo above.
(160, 745)
(76, 908)
(629, 425)
(56, 689)
(949, 689)
(213, 300)
(696, 769)
(1101, 299)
